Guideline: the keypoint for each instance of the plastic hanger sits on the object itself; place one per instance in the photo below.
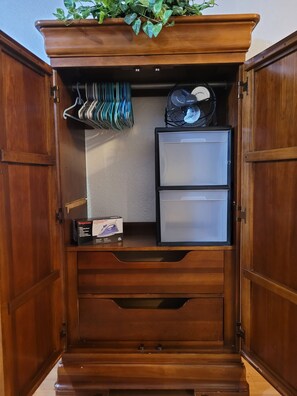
(78, 101)
(106, 105)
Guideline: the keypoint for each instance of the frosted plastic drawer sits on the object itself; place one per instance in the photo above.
(194, 158)
(194, 216)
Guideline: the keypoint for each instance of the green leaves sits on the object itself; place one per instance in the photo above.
(157, 29)
(150, 27)
(136, 26)
(69, 4)
(167, 14)
(150, 16)
(102, 16)
(60, 14)
(157, 7)
(152, 30)
(130, 18)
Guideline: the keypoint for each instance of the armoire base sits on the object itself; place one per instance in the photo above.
(151, 374)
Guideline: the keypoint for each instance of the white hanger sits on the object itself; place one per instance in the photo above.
(78, 101)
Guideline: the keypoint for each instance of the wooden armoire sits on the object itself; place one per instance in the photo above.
(136, 318)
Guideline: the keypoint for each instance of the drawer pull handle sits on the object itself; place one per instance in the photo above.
(141, 348)
(159, 347)
(170, 257)
(150, 303)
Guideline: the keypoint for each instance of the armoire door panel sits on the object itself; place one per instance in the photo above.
(29, 231)
(269, 234)
(30, 244)
(26, 158)
(23, 95)
(272, 114)
(270, 312)
(30, 352)
(275, 226)
(31, 301)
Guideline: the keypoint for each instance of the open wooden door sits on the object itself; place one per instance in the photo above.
(30, 240)
(269, 227)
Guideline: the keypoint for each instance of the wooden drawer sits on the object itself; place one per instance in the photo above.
(148, 319)
(194, 272)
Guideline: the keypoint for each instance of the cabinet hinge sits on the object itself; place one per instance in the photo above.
(59, 216)
(241, 214)
(55, 93)
(63, 331)
(242, 86)
(240, 331)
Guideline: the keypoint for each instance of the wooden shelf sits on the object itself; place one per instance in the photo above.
(140, 236)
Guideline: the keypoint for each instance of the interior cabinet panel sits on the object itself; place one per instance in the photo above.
(71, 160)
(72, 156)
(275, 226)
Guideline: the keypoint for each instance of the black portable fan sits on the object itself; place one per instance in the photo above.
(190, 106)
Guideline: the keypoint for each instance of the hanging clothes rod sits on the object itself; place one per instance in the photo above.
(153, 86)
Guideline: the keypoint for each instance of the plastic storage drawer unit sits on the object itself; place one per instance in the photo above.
(194, 217)
(194, 158)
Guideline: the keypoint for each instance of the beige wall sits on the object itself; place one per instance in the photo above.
(120, 165)
(278, 19)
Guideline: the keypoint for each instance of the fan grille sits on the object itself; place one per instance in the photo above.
(193, 105)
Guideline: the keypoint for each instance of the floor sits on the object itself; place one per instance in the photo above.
(258, 386)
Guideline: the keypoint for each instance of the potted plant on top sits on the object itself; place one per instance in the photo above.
(150, 16)
(139, 32)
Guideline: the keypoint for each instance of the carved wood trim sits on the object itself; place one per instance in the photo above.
(114, 42)
(26, 158)
(281, 154)
(22, 298)
(274, 287)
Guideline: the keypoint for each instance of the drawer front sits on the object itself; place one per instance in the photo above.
(197, 319)
(195, 272)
